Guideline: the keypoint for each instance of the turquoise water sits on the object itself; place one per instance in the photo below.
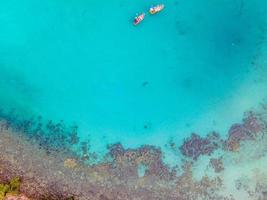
(196, 66)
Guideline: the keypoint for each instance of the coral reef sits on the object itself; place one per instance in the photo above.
(127, 161)
(62, 175)
(52, 136)
(44, 176)
(246, 131)
(188, 188)
(195, 146)
(217, 164)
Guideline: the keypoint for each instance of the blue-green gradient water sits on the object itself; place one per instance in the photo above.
(196, 66)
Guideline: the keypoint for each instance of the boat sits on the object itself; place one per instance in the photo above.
(138, 19)
(155, 9)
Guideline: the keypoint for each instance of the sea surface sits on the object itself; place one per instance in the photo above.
(195, 67)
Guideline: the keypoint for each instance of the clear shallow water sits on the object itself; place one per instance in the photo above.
(197, 66)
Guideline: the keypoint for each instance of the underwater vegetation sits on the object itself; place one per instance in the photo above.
(10, 188)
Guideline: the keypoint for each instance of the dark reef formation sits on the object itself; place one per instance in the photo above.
(40, 155)
(248, 130)
(49, 177)
(126, 161)
(51, 136)
(195, 145)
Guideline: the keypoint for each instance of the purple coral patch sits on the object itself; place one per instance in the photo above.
(195, 145)
(250, 127)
